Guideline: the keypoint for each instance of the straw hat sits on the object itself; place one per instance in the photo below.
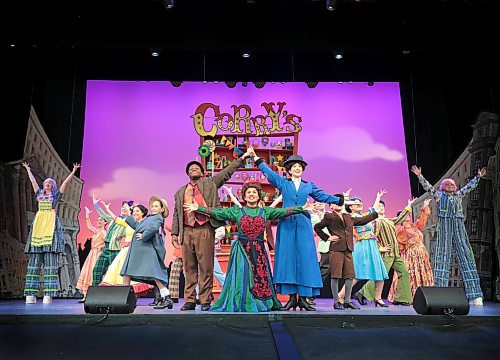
(163, 202)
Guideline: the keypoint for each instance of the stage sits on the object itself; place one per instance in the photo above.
(62, 329)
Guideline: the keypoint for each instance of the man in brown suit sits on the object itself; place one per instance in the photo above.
(196, 232)
(340, 225)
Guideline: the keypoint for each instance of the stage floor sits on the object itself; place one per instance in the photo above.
(396, 332)
(323, 308)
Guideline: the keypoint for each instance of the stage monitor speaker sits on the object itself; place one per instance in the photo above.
(429, 300)
(110, 300)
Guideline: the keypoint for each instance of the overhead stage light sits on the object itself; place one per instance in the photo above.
(155, 52)
(371, 83)
(259, 84)
(339, 54)
(168, 4)
(312, 84)
(331, 5)
(230, 84)
(246, 54)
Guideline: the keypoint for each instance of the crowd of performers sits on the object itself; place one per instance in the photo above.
(355, 244)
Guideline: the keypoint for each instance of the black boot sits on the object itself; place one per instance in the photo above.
(165, 302)
(310, 301)
(292, 303)
(157, 298)
(361, 299)
(303, 304)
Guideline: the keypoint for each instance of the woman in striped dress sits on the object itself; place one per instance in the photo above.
(452, 234)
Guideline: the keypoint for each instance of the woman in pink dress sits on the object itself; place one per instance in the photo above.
(414, 253)
(97, 243)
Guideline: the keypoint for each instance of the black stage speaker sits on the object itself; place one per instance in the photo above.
(429, 300)
(110, 300)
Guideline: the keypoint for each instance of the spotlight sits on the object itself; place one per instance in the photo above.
(176, 83)
(370, 83)
(230, 84)
(339, 54)
(331, 5)
(168, 4)
(246, 54)
(12, 44)
(312, 84)
(251, 2)
(155, 52)
(340, 82)
(244, 84)
(350, 82)
(259, 84)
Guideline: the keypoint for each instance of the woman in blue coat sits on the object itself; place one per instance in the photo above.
(296, 270)
(145, 261)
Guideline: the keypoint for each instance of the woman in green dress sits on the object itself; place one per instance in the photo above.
(248, 286)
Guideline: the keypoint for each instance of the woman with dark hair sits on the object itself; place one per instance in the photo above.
(145, 261)
(45, 241)
(113, 239)
(249, 286)
(112, 276)
(368, 262)
(296, 270)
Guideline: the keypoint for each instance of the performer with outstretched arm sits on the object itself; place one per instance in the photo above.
(196, 232)
(296, 270)
(249, 286)
(451, 233)
(46, 240)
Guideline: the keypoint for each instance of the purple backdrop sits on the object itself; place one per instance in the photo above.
(140, 135)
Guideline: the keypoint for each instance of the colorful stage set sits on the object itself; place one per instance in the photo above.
(138, 138)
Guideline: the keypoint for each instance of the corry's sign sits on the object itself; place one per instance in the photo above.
(240, 120)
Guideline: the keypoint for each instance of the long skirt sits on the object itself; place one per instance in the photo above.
(87, 271)
(248, 286)
(113, 276)
(368, 264)
(419, 266)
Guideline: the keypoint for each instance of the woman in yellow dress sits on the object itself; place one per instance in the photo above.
(45, 242)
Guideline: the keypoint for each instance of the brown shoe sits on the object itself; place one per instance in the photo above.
(188, 306)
